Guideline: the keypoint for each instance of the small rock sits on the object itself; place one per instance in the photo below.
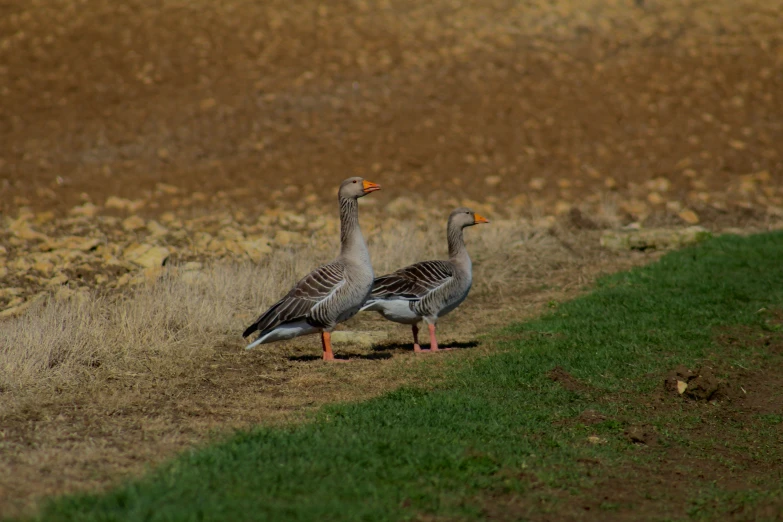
(681, 387)
(659, 184)
(215, 246)
(124, 280)
(59, 279)
(231, 233)
(636, 208)
(156, 229)
(166, 188)
(16, 301)
(133, 223)
(44, 217)
(22, 230)
(295, 220)
(123, 204)
(256, 248)
(233, 247)
(561, 207)
(493, 181)
(595, 439)
(689, 216)
(360, 338)
(115, 202)
(86, 210)
(673, 206)
(762, 175)
(10, 292)
(286, 237)
(146, 256)
(207, 103)
(82, 244)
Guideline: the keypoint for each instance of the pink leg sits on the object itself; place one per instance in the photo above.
(416, 347)
(433, 340)
(326, 342)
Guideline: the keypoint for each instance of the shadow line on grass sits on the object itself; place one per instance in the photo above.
(388, 347)
(365, 357)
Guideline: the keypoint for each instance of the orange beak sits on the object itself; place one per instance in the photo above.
(479, 219)
(369, 186)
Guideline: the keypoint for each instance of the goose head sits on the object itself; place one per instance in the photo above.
(464, 217)
(357, 187)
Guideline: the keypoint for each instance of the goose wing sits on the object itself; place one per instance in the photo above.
(412, 282)
(314, 288)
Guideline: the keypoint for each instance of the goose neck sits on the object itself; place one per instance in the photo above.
(456, 242)
(352, 245)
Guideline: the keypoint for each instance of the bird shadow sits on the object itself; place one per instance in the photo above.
(349, 357)
(388, 347)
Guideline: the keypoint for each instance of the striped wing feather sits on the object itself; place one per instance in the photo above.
(412, 282)
(306, 294)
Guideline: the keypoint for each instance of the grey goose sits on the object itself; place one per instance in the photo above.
(430, 289)
(330, 294)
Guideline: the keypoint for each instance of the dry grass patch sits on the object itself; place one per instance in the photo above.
(177, 320)
(95, 388)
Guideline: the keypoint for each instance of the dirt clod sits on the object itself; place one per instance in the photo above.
(590, 417)
(641, 435)
(567, 381)
(698, 385)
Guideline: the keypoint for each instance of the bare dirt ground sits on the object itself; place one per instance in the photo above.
(215, 132)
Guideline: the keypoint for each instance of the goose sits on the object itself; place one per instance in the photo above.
(330, 294)
(430, 289)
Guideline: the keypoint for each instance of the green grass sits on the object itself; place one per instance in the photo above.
(447, 451)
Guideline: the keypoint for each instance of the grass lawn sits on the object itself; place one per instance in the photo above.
(506, 437)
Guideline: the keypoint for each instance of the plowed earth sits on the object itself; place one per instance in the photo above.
(663, 111)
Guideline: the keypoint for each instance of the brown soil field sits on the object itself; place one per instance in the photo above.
(246, 102)
(211, 136)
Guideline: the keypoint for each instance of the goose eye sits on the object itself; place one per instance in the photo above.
(355, 181)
